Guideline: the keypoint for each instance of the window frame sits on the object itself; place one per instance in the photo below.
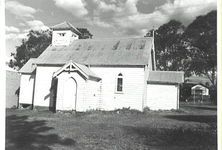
(119, 76)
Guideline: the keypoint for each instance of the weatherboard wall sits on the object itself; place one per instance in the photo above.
(26, 88)
(12, 87)
(92, 95)
(65, 39)
(76, 103)
(162, 96)
(102, 94)
(43, 85)
(92, 99)
(133, 87)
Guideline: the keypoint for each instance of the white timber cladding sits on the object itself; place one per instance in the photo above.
(162, 97)
(205, 91)
(26, 89)
(133, 87)
(43, 85)
(147, 68)
(92, 96)
(63, 37)
(77, 104)
(87, 93)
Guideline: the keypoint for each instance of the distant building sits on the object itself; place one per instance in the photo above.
(12, 87)
(198, 80)
(199, 90)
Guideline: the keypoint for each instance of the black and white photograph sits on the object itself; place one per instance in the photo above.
(111, 74)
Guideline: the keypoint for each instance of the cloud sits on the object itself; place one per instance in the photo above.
(11, 29)
(125, 17)
(19, 9)
(35, 25)
(76, 7)
(16, 36)
(186, 12)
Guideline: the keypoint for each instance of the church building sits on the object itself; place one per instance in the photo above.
(97, 74)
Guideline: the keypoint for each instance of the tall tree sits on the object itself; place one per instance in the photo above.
(170, 52)
(201, 39)
(31, 47)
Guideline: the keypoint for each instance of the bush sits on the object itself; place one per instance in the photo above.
(146, 109)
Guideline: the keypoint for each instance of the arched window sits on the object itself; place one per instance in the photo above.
(119, 87)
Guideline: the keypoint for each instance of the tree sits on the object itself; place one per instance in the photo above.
(170, 51)
(31, 47)
(201, 39)
(85, 33)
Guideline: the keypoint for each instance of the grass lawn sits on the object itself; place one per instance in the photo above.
(191, 128)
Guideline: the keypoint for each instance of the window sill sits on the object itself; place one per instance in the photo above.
(118, 92)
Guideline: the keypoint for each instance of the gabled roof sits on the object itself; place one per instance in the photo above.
(123, 51)
(66, 26)
(171, 77)
(198, 80)
(199, 86)
(29, 67)
(72, 66)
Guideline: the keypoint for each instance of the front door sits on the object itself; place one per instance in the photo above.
(70, 88)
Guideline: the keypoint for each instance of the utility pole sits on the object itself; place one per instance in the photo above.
(154, 53)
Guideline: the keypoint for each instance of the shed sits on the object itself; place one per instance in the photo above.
(163, 89)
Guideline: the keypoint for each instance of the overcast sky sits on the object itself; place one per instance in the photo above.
(104, 18)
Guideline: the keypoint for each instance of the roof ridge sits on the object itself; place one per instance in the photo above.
(66, 23)
(115, 38)
(167, 71)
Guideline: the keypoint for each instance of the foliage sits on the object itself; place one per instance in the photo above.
(201, 39)
(192, 49)
(169, 50)
(85, 33)
(31, 47)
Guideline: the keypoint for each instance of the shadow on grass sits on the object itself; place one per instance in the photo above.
(205, 108)
(180, 138)
(24, 134)
(209, 119)
(202, 107)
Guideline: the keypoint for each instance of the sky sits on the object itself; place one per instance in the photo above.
(103, 18)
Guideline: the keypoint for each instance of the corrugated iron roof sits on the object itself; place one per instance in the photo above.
(82, 68)
(198, 86)
(124, 51)
(166, 77)
(29, 67)
(198, 80)
(64, 26)
(87, 71)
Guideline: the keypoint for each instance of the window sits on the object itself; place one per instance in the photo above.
(119, 87)
(62, 34)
